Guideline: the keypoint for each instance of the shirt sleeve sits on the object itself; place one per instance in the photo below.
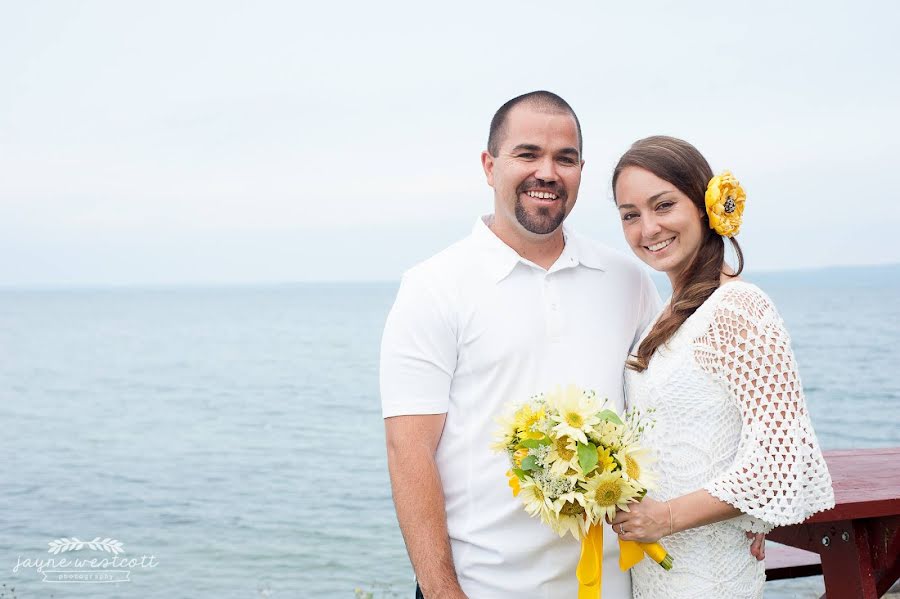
(778, 476)
(418, 352)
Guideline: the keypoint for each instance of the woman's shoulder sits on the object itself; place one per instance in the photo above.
(742, 301)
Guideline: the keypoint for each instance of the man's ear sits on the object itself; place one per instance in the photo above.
(487, 163)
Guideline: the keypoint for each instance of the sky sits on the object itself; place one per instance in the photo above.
(197, 142)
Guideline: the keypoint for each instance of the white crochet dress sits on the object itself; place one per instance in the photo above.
(731, 419)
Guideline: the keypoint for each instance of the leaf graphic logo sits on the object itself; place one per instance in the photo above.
(74, 544)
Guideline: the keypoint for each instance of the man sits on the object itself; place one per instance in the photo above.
(518, 307)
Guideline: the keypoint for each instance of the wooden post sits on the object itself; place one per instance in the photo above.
(847, 561)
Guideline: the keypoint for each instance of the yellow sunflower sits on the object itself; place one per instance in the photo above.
(607, 492)
(605, 461)
(636, 462)
(526, 419)
(518, 425)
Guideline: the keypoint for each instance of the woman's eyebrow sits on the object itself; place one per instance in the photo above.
(652, 198)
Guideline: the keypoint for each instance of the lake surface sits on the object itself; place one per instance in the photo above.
(235, 434)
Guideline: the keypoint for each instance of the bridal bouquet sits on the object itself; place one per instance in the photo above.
(574, 462)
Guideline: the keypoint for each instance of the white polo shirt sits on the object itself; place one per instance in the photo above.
(476, 327)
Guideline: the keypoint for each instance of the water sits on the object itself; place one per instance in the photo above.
(235, 433)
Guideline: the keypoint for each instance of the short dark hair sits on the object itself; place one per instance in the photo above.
(542, 100)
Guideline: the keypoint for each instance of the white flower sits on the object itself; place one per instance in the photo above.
(575, 412)
(563, 455)
(536, 501)
(552, 485)
(608, 434)
(505, 436)
(571, 515)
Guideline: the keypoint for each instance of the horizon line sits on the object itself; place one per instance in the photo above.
(56, 286)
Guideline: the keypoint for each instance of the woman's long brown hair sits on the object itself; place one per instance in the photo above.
(679, 163)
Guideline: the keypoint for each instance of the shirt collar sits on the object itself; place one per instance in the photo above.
(500, 259)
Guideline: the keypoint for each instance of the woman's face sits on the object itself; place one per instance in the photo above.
(661, 224)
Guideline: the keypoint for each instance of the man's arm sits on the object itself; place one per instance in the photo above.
(419, 500)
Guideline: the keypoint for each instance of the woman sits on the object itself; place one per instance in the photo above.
(735, 449)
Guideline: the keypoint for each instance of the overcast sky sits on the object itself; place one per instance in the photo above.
(172, 142)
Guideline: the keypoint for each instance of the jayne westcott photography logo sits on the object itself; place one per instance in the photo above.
(112, 566)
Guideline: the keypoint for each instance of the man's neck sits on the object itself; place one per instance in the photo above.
(543, 250)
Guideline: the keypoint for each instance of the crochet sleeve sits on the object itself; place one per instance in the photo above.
(778, 476)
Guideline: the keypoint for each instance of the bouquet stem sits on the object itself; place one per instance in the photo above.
(658, 553)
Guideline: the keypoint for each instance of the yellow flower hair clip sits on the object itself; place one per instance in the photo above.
(725, 204)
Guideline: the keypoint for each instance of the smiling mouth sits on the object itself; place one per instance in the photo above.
(659, 246)
(541, 195)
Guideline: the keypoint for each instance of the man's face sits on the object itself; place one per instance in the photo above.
(536, 172)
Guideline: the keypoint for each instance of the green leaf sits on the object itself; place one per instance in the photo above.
(520, 473)
(535, 443)
(609, 416)
(587, 457)
(529, 463)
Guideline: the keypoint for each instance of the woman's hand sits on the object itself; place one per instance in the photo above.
(758, 546)
(650, 520)
(646, 522)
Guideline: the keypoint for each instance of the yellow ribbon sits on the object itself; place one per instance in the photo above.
(630, 553)
(590, 566)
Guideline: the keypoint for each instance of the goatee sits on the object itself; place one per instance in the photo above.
(544, 221)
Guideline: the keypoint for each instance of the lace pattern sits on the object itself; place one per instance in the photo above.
(731, 418)
(779, 475)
